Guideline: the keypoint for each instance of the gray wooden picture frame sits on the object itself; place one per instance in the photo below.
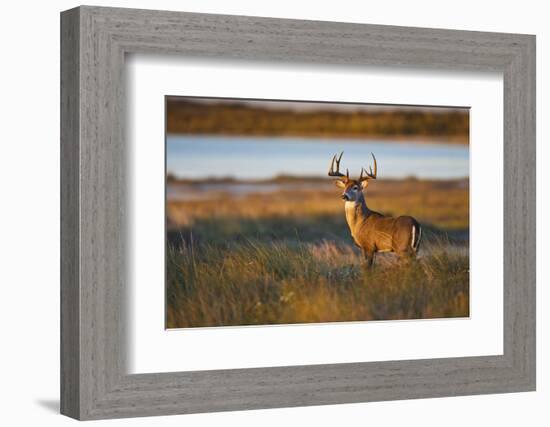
(94, 41)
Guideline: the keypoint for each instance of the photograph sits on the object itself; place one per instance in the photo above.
(302, 212)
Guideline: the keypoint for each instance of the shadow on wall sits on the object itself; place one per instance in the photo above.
(51, 405)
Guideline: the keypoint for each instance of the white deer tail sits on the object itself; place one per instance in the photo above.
(415, 240)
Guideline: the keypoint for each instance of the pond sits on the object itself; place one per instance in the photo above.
(200, 157)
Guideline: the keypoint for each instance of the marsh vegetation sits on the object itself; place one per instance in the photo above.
(279, 251)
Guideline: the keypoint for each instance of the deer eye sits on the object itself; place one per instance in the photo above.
(355, 187)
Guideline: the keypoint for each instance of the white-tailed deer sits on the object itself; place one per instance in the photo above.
(371, 231)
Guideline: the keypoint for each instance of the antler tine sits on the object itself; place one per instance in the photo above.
(331, 169)
(370, 174)
(337, 173)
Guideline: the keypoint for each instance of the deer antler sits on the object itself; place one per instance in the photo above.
(370, 174)
(337, 173)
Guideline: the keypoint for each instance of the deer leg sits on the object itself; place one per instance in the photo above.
(369, 257)
(407, 256)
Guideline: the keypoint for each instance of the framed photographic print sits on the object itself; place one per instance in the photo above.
(258, 235)
(262, 213)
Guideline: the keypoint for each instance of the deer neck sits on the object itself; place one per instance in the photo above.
(356, 214)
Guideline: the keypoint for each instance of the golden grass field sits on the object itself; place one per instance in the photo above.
(286, 256)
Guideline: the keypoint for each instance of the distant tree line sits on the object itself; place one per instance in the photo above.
(188, 117)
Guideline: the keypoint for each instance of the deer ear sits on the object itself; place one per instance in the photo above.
(364, 184)
(339, 184)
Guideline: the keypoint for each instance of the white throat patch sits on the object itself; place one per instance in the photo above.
(350, 205)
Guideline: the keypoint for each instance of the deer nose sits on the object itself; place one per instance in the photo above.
(345, 197)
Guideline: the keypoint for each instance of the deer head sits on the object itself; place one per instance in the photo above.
(352, 187)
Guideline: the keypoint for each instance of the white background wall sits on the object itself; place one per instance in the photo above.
(29, 224)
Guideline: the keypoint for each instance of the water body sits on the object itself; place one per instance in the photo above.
(199, 157)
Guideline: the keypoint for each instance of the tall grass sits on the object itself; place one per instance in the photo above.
(254, 282)
(287, 257)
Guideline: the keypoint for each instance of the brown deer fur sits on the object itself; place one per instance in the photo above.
(370, 230)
